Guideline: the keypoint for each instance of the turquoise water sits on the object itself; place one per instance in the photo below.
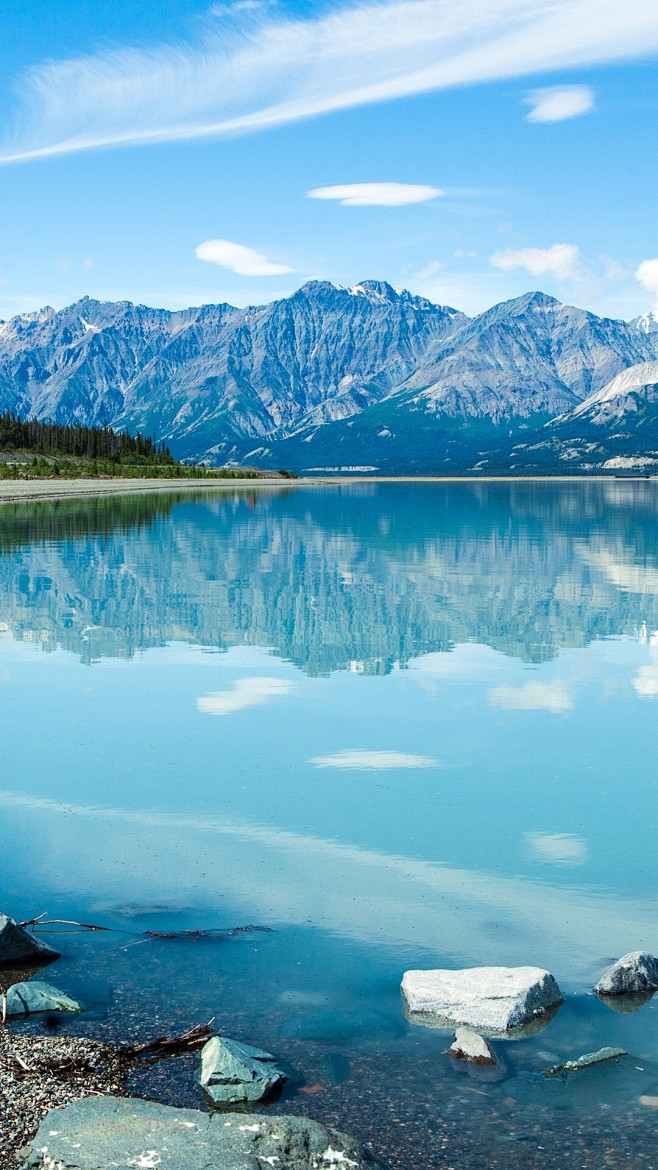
(400, 726)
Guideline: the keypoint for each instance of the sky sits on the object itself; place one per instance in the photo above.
(178, 152)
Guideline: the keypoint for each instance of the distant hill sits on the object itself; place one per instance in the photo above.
(334, 379)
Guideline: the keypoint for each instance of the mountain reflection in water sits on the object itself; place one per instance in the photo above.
(353, 577)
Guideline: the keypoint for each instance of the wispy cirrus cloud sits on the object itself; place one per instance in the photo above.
(557, 103)
(560, 260)
(238, 258)
(376, 194)
(254, 67)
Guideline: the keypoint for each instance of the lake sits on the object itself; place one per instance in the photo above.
(398, 725)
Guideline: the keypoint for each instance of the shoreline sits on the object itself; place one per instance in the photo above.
(12, 491)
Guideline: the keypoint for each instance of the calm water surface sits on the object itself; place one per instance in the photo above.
(400, 725)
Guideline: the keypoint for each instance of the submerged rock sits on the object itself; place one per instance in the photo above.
(233, 1073)
(635, 972)
(586, 1061)
(494, 1000)
(23, 999)
(469, 1045)
(471, 1053)
(115, 1131)
(18, 946)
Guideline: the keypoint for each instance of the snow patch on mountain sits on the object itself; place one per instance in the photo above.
(647, 322)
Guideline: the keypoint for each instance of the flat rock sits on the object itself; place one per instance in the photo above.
(586, 1061)
(633, 973)
(469, 1045)
(232, 1073)
(17, 945)
(97, 1133)
(494, 1000)
(23, 999)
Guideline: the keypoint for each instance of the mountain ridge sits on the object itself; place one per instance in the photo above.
(329, 376)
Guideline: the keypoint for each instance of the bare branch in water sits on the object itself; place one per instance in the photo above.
(191, 935)
(164, 1046)
(43, 921)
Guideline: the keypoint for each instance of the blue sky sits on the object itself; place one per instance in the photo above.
(163, 152)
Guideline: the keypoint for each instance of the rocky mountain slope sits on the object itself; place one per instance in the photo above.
(334, 378)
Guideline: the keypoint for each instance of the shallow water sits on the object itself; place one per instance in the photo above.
(400, 725)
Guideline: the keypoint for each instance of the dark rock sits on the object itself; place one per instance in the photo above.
(18, 946)
(635, 972)
(99, 1132)
(24, 999)
(233, 1073)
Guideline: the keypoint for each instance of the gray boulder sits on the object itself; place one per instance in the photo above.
(232, 1073)
(494, 1000)
(99, 1132)
(633, 973)
(23, 999)
(17, 945)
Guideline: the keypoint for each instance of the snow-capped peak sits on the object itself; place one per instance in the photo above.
(647, 322)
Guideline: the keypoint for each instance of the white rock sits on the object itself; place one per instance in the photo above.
(488, 999)
(469, 1045)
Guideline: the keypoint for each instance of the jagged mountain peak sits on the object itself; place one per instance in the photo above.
(646, 322)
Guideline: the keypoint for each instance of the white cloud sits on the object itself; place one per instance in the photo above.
(559, 102)
(376, 194)
(647, 276)
(560, 260)
(237, 258)
(359, 758)
(264, 69)
(534, 696)
(247, 692)
(565, 849)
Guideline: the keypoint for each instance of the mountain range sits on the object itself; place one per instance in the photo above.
(364, 378)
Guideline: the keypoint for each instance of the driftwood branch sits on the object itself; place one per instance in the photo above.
(43, 921)
(190, 935)
(164, 1046)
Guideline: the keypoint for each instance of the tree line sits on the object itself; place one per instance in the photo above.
(84, 442)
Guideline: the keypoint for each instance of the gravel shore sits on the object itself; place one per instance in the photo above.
(38, 1073)
(60, 489)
